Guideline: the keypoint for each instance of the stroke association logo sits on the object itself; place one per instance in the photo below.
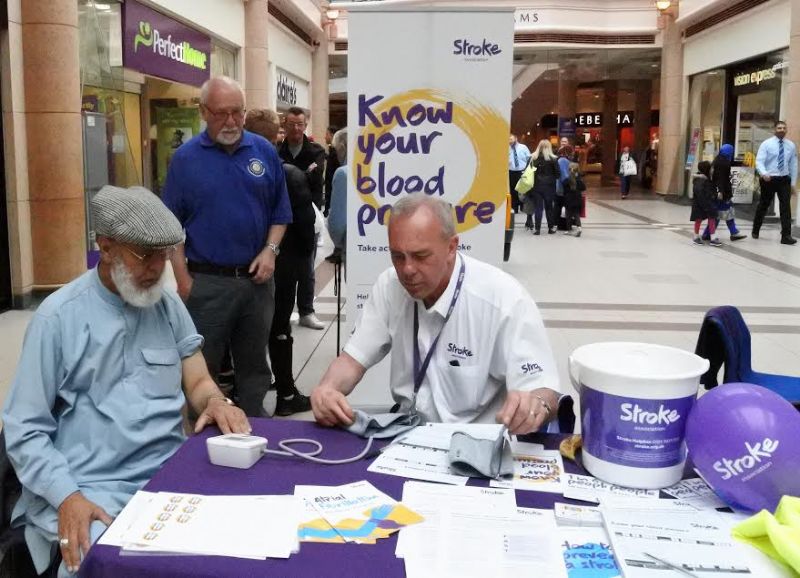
(471, 50)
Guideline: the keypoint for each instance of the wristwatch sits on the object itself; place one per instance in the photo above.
(275, 248)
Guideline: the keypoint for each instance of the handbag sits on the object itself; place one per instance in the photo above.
(525, 182)
(629, 168)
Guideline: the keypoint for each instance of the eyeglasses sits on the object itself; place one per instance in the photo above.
(297, 123)
(165, 254)
(236, 114)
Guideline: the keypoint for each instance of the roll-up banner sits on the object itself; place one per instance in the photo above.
(429, 100)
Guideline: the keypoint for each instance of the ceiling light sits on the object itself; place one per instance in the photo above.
(332, 14)
(663, 4)
(102, 6)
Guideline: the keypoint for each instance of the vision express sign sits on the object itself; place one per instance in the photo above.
(156, 44)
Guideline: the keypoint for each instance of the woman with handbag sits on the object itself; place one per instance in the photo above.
(627, 170)
(541, 198)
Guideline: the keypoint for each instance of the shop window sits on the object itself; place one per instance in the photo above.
(111, 115)
(706, 98)
(223, 61)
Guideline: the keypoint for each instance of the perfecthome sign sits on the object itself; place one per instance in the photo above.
(156, 44)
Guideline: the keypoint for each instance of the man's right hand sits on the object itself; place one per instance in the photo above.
(75, 516)
(185, 288)
(330, 407)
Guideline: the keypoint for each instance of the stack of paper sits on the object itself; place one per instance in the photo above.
(535, 469)
(470, 531)
(421, 454)
(256, 527)
(697, 493)
(589, 489)
(356, 512)
(667, 539)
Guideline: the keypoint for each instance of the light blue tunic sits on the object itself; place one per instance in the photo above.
(95, 404)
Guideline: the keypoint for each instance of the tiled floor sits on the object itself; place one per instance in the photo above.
(634, 275)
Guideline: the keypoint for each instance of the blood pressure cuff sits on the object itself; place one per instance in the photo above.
(480, 458)
(382, 425)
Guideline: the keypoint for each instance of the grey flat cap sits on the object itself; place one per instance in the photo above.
(135, 216)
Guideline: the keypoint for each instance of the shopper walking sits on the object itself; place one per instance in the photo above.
(704, 204)
(518, 157)
(627, 170)
(541, 198)
(776, 163)
(721, 177)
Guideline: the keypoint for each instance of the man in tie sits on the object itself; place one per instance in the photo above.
(776, 162)
(518, 157)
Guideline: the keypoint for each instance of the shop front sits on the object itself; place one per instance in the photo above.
(737, 104)
(141, 76)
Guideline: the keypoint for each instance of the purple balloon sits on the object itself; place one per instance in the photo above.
(743, 439)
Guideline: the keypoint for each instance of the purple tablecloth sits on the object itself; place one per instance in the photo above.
(190, 471)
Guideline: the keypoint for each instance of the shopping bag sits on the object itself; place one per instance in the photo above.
(525, 182)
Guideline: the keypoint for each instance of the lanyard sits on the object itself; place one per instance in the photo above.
(421, 367)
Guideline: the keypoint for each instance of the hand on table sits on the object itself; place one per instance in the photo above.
(524, 412)
(229, 418)
(330, 407)
(75, 515)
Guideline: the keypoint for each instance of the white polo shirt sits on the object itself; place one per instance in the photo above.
(494, 341)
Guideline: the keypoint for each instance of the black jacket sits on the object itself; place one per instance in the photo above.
(299, 239)
(721, 176)
(547, 173)
(704, 201)
(309, 154)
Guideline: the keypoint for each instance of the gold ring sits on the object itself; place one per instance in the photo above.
(64, 542)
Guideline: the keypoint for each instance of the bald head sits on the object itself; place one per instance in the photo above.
(222, 107)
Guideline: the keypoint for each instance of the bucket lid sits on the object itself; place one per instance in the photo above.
(640, 360)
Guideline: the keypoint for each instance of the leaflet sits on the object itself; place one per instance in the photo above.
(682, 541)
(589, 489)
(587, 552)
(313, 527)
(535, 469)
(361, 513)
(697, 493)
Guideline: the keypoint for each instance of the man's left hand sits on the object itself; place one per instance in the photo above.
(263, 266)
(523, 412)
(229, 419)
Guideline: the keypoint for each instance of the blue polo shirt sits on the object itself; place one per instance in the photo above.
(227, 202)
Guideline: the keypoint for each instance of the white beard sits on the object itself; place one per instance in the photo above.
(229, 138)
(129, 292)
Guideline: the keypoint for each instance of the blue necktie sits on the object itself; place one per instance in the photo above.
(780, 156)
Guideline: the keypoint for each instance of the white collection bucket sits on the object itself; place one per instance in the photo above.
(635, 398)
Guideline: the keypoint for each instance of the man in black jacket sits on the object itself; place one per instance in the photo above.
(309, 157)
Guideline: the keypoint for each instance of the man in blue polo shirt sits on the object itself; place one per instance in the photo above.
(227, 188)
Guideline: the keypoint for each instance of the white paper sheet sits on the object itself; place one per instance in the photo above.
(589, 489)
(696, 492)
(114, 535)
(572, 515)
(416, 463)
(535, 469)
(699, 542)
(477, 532)
(237, 526)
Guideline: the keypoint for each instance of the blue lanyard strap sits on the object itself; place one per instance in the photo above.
(421, 367)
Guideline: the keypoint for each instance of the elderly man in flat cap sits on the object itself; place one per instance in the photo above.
(95, 407)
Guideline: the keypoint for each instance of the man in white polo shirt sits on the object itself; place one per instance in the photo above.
(482, 353)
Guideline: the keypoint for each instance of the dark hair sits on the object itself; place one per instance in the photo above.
(333, 129)
(296, 111)
(777, 122)
(704, 167)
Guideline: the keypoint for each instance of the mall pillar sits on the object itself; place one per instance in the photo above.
(320, 95)
(257, 86)
(793, 91)
(641, 115)
(55, 151)
(609, 133)
(567, 100)
(671, 153)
